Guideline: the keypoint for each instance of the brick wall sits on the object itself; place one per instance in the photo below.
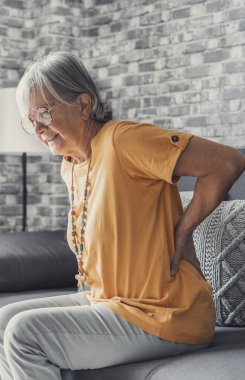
(47, 196)
(179, 64)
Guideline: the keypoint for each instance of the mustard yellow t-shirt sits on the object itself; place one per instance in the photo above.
(133, 207)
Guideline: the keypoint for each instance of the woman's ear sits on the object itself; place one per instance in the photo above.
(85, 105)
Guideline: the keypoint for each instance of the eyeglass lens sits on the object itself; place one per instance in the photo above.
(42, 115)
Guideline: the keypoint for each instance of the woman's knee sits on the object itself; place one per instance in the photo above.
(17, 328)
(7, 312)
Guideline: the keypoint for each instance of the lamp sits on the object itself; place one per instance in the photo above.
(13, 139)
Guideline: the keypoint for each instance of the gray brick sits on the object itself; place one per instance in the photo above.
(195, 121)
(103, 83)
(60, 211)
(235, 67)
(147, 66)
(164, 123)
(14, 3)
(59, 201)
(179, 110)
(164, 30)
(101, 62)
(215, 56)
(194, 2)
(237, 13)
(10, 63)
(133, 34)
(195, 47)
(217, 5)
(92, 32)
(181, 13)
(2, 198)
(66, 11)
(4, 11)
(102, 20)
(179, 86)
(148, 111)
(197, 71)
(143, 44)
(54, 178)
(214, 31)
(11, 210)
(44, 211)
(130, 103)
(102, 2)
(3, 31)
(31, 159)
(116, 27)
(242, 25)
(147, 102)
(162, 100)
(146, 78)
(177, 61)
(10, 188)
(150, 19)
(232, 40)
(192, 97)
(234, 93)
(33, 199)
(232, 117)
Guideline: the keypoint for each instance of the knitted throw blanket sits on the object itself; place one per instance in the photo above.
(220, 246)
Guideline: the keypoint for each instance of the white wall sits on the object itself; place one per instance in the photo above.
(13, 139)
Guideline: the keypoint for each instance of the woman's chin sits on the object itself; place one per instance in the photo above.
(55, 146)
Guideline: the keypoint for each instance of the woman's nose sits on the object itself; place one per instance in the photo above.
(38, 127)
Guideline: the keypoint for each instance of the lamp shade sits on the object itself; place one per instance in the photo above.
(13, 139)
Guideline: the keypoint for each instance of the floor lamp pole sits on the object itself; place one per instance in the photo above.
(24, 193)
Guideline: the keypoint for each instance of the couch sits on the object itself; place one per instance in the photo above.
(30, 270)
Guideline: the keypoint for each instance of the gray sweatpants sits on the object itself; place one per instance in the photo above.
(40, 336)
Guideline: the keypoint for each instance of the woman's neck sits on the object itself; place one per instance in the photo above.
(91, 132)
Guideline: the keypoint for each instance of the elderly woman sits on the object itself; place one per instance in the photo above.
(146, 296)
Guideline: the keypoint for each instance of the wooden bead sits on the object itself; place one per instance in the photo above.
(80, 263)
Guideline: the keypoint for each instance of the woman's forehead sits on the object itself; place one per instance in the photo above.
(38, 98)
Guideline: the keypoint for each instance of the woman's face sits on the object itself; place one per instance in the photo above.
(65, 134)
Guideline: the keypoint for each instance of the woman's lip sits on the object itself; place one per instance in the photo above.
(53, 138)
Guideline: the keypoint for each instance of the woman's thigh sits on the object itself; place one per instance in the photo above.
(8, 311)
(86, 337)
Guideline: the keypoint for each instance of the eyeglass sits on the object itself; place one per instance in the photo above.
(42, 115)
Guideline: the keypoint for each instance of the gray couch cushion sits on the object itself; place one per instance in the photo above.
(10, 297)
(220, 246)
(223, 360)
(35, 260)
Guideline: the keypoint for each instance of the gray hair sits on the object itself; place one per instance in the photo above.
(65, 77)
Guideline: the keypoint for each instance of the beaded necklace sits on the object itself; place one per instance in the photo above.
(80, 276)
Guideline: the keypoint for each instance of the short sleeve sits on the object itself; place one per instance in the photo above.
(147, 150)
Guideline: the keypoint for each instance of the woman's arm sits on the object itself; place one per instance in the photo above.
(217, 168)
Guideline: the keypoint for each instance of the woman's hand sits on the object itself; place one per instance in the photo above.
(184, 249)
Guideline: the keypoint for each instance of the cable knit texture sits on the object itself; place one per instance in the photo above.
(220, 246)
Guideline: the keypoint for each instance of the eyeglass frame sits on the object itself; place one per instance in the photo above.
(47, 109)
